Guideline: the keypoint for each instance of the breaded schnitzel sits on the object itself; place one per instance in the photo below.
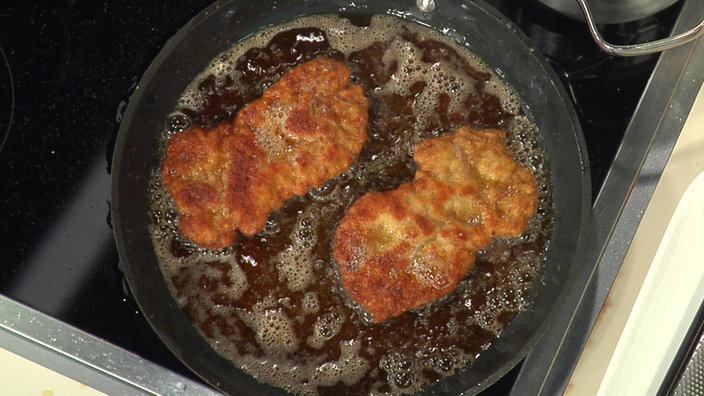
(305, 129)
(401, 249)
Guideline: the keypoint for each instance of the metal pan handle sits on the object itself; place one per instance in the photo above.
(638, 49)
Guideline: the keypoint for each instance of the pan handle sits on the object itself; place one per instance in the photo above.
(638, 49)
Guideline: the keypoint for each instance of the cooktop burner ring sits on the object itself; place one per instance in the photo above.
(7, 98)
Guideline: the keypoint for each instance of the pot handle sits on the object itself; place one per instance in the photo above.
(638, 49)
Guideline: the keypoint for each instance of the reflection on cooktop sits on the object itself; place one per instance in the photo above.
(74, 254)
(7, 98)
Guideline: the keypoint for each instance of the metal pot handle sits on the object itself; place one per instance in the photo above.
(638, 49)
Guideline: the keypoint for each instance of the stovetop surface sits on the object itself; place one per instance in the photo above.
(73, 68)
(66, 73)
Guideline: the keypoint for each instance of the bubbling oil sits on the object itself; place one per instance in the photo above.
(272, 303)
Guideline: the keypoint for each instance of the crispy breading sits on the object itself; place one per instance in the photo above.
(404, 248)
(305, 129)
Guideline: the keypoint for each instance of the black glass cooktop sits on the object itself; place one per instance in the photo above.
(66, 73)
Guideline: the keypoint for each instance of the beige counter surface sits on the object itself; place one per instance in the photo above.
(683, 166)
(22, 377)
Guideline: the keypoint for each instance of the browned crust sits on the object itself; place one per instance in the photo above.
(307, 128)
(402, 249)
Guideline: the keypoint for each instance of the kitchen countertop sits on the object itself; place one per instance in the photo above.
(21, 376)
(684, 164)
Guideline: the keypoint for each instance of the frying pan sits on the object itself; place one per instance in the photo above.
(475, 24)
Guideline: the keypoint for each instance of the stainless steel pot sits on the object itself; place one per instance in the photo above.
(596, 12)
(610, 11)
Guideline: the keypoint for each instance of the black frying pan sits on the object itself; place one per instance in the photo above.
(501, 45)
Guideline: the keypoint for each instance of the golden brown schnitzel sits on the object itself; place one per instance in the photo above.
(401, 249)
(305, 129)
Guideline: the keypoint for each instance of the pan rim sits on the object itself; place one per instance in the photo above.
(118, 188)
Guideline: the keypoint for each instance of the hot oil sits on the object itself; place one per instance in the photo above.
(272, 303)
